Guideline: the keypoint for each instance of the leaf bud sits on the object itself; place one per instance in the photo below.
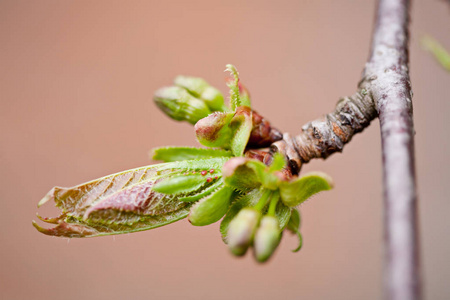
(178, 104)
(214, 130)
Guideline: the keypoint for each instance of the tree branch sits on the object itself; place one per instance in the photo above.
(384, 91)
(392, 93)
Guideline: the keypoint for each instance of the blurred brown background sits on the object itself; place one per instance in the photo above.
(76, 82)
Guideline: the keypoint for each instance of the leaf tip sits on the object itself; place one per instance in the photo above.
(49, 196)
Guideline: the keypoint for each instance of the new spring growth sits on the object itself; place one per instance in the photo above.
(192, 99)
(274, 200)
(255, 202)
(178, 104)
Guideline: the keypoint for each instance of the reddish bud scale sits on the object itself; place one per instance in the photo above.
(211, 171)
(209, 179)
(204, 173)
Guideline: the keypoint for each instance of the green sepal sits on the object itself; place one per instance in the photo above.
(294, 227)
(211, 208)
(208, 190)
(299, 190)
(180, 184)
(170, 154)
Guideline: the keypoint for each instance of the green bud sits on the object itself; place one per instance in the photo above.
(214, 130)
(267, 238)
(178, 104)
(242, 229)
(211, 208)
(201, 89)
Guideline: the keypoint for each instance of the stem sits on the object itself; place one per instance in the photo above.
(273, 203)
(263, 201)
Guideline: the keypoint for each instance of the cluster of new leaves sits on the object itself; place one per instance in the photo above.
(203, 184)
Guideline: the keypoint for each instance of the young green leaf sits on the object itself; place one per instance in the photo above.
(170, 154)
(122, 202)
(211, 208)
(180, 184)
(208, 190)
(297, 191)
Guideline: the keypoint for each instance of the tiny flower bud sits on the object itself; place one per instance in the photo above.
(198, 87)
(213, 131)
(267, 238)
(178, 104)
(242, 229)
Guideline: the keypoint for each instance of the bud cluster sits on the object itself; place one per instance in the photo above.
(251, 228)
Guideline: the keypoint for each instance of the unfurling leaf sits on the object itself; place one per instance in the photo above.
(299, 190)
(235, 100)
(170, 154)
(211, 208)
(180, 184)
(123, 202)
